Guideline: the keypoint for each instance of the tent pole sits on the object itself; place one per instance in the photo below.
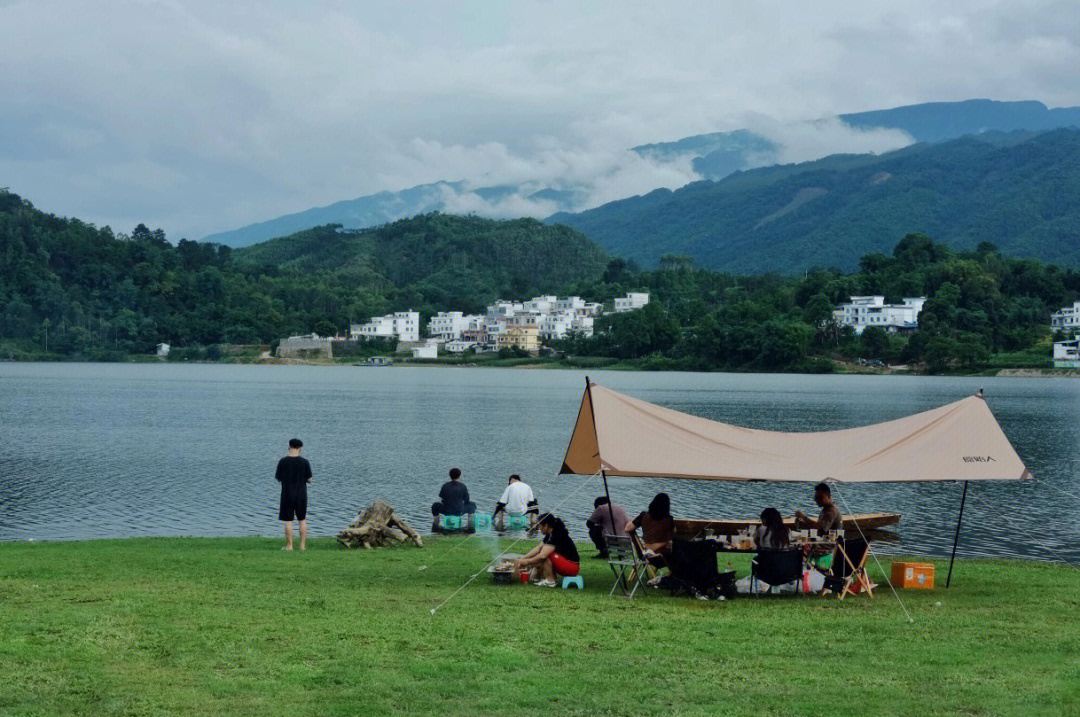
(603, 473)
(610, 508)
(956, 538)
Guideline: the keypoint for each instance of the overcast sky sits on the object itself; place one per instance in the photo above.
(204, 116)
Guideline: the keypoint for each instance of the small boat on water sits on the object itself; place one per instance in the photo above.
(688, 528)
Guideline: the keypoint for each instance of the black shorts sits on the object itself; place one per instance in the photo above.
(293, 508)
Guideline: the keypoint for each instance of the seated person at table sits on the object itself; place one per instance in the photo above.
(657, 529)
(555, 555)
(828, 519)
(772, 534)
(517, 499)
(453, 499)
(606, 519)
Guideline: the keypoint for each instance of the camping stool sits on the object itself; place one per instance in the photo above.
(518, 522)
(450, 522)
(575, 580)
(481, 520)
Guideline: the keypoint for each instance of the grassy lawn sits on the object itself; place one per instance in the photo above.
(237, 627)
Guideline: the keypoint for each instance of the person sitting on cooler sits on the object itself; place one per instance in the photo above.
(516, 500)
(555, 555)
(453, 499)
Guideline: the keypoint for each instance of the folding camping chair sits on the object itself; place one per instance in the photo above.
(849, 566)
(626, 563)
(776, 568)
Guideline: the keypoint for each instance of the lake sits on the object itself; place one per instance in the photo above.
(118, 450)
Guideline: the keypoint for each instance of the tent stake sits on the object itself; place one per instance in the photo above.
(956, 538)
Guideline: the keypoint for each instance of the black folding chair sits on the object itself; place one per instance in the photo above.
(626, 563)
(693, 568)
(776, 568)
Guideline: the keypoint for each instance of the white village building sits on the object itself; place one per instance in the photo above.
(631, 302)
(427, 350)
(459, 346)
(1066, 319)
(450, 325)
(864, 311)
(403, 325)
(1067, 354)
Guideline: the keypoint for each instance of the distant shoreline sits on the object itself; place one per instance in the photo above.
(576, 364)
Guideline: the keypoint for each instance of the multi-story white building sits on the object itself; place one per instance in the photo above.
(570, 303)
(504, 309)
(864, 311)
(403, 325)
(1067, 318)
(630, 302)
(450, 325)
(541, 304)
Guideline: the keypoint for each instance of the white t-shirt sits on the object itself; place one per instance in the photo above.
(516, 498)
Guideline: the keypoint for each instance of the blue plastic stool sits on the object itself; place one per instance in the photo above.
(576, 580)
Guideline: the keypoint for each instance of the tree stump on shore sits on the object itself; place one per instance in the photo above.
(378, 526)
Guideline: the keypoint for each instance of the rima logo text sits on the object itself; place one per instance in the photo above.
(979, 459)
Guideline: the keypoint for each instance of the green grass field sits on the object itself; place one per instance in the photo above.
(237, 627)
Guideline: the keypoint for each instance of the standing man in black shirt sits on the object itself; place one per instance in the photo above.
(453, 499)
(294, 473)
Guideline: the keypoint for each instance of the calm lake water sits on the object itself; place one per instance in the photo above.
(108, 450)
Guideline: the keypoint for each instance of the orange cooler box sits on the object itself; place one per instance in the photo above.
(917, 576)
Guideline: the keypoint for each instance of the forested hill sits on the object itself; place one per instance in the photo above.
(1019, 191)
(93, 294)
(471, 257)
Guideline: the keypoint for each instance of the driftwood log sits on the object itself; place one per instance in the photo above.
(377, 526)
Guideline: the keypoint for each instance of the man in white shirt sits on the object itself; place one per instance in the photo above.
(517, 499)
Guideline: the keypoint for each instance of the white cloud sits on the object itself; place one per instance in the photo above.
(202, 116)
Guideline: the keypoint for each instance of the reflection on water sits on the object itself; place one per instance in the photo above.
(99, 450)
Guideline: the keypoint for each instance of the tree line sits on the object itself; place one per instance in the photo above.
(72, 290)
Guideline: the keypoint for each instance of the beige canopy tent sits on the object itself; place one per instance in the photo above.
(617, 435)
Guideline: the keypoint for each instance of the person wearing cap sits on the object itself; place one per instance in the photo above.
(294, 473)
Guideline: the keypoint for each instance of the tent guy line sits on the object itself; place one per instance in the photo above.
(584, 482)
(870, 548)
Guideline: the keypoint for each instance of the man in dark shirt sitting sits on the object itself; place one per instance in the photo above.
(453, 499)
(294, 473)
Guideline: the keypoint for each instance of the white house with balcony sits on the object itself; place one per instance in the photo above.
(403, 325)
(1066, 318)
(631, 302)
(864, 311)
(450, 325)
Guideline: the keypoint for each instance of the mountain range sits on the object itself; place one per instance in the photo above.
(1017, 190)
(713, 157)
